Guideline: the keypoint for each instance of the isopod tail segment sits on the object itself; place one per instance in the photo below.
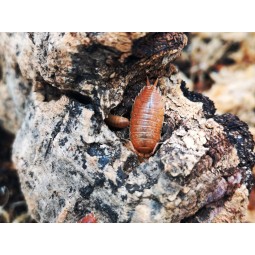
(141, 156)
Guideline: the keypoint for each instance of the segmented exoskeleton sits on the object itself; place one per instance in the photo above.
(147, 118)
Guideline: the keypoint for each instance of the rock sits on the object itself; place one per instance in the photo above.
(16, 74)
(72, 164)
(232, 210)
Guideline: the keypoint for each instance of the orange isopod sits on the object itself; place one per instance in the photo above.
(146, 122)
(117, 121)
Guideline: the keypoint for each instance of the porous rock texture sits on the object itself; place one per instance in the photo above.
(71, 163)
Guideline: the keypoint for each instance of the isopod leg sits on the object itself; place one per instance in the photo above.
(156, 145)
(131, 147)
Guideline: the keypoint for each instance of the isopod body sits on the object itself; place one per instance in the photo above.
(146, 122)
(117, 121)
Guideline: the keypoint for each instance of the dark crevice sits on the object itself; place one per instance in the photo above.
(52, 93)
(17, 71)
(6, 140)
(11, 196)
(206, 39)
(48, 91)
(77, 97)
(31, 37)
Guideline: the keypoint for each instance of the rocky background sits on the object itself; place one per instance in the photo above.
(56, 89)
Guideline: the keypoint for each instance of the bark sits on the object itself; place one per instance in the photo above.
(70, 163)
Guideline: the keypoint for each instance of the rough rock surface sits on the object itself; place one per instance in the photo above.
(15, 82)
(231, 210)
(71, 163)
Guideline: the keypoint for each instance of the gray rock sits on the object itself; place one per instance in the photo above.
(16, 77)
